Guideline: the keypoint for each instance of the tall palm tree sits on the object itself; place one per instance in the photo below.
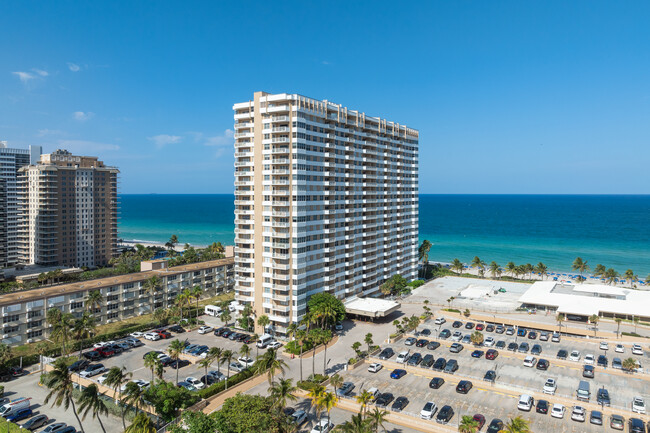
(151, 286)
(560, 318)
(281, 392)
(314, 394)
(377, 418)
(611, 275)
(61, 327)
(174, 351)
(599, 270)
(495, 269)
(133, 395)
(83, 328)
(363, 399)
(225, 316)
(263, 321)
(214, 354)
(61, 385)
(594, 321)
(529, 269)
(517, 425)
(580, 265)
(511, 267)
(618, 321)
(205, 363)
(245, 350)
(327, 401)
(116, 378)
(356, 425)
(457, 266)
(325, 338)
(468, 425)
(94, 300)
(631, 277)
(90, 400)
(141, 424)
(182, 300)
(479, 264)
(227, 355)
(423, 255)
(336, 381)
(269, 362)
(197, 292)
(541, 269)
(150, 361)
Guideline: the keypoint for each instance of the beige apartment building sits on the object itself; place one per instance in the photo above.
(326, 199)
(70, 209)
(124, 296)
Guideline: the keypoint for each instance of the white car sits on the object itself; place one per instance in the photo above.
(578, 414)
(136, 334)
(92, 370)
(236, 366)
(637, 349)
(153, 336)
(530, 361)
(589, 359)
(558, 411)
(246, 361)
(604, 345)
(102, 378)
(550, 386)
(323, 426)
(205, 329)
(619, 348)
(100, 344)
(299, 417)
(457, 336)
(142, 384)
(440, 321)
(196, 383)
(402, 357)
(489, 342)
(638, 405)
(429, 410)
(575, 356)
(375, 367)
(274, 345)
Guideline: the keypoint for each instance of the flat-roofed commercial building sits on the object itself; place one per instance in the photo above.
(326, 199)
(124, 296)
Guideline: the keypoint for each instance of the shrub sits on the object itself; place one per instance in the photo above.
(352, 361)
(294, 348)
(451, 310)
(221, 386)
(312, 381)
(2, 390)
(415, 283)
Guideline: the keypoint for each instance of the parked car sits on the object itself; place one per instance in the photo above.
(550, 386)
(410, 341)
(532, 335)
(604, 345)
(440, 321)
(578, 414)
(464, 386)
(35, 422)
(596, 417)
(638, 405)
(402, 357)
(384, 400)
(345, 389)
(196, 383)
(496, 425)
(575, 356)
(477, 354)
(153, 336)
(236, 366)
(542, 364)
(542, 407)
(433, 345)
(489, 342)
(636, 425)
(480, 326)
(79, 365)
(421, 342)
(398, 373)
(19, 415)
(602, 361)
(178, 363)
(469, 325)
(619, 348)
(92, 370)
(445, 414)
(543, 336)
(617, 422)
(54, 428)
(562, 354)
(500, 344)
(536, 350)
(617, 363)
(492, 354)
(457, 324)
(440, 364)
(500, 329)
(513, 347)
(415, 359)
(588, 371)
(530, 361)
(375, 367)
(387, 353)
(523, 347)
(427, 361)
(637, 349)
(490, 376)
(589, 359)
(205, 329)
(188, 386)
(436, 382)
(444, 334)
(275, 345)
(92, 356)
(489, 328)
(451, 367)
(456, 348)
(602, 397)
(558, 411)
(429, 410)
(399, 404)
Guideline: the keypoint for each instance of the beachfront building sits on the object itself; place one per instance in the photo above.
(69, 211)
(326, 199)
(11, 160)
(578, 302)
(3, 227)
(123, 297)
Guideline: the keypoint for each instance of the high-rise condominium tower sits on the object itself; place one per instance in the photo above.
(326, 199)
(70, 211)
(11, 160)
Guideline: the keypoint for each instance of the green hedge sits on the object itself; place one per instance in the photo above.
(312, 381)
(221, 386)
(294, 348)
(451, 310)
(9, 427)
(633, 334)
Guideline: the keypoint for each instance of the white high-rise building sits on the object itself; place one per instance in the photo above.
(326, 199)
(11, 160)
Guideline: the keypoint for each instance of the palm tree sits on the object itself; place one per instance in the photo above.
(529, 269)
(150, 361)
(541, 269)
(629, 275)
(599, 270)
(423, 254)
(181, 300)
(141, 424)
(629, 364)
(215, 354)
(227, 355)
(197, 292)
(511, 267)
(174, 351)
(363, 399)
(133, 395)
(356, 425)
(517, 425)
(336, 381)
(151, 286)
(94, 300)
(468, 425)
(560, 318)
(476, 337)
(611, 275)
(61, 385)
(495, 269)
(314, 394)
(479, 264)
(594, 321)
(61, 327)
(245, 350)
(83, 327)
(90, 400)
(327, 401)
(269, 362)
(618, 321)
(377, 418)
(281, 392)
(580, 265)
(324, 338)
(635, 320)
(116, 378)
(457, 266)
(263, 321)
(368, 341)
(225, 316)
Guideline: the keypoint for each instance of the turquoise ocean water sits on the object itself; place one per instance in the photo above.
(554, 229)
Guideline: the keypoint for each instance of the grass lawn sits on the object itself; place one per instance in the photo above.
(9, 427)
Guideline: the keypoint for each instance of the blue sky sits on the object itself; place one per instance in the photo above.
(509, 97)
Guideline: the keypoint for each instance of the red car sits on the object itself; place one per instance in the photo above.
(164, 334)
(491, 354)
(480, 419)
(105, 352)
(480, 327)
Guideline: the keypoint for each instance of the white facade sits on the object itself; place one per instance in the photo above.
(326, 199)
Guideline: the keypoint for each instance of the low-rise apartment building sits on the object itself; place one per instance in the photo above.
(124, 296)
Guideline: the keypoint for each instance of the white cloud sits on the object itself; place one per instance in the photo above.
(225, 139)
(25, 77)
(74, 67)
(325, 62)
(44, 132)
(161, 140)
(86, 147)
(41, 72)
(82, 116)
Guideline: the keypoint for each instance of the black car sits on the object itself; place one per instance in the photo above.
(635, 425)
(542, 406)
(542, 364)
(117, 349)
(421, 342)
(500, 344)
(249, 339)
(436, 382)
(489, 328)
(469, 325)
(92, 356)
(387, 353)
(399, 404)
(179, 363)
(35, 423)
(457, 324)
(602, 361)
(562, 354)
(155, 352)
(219, 332)
(427, 361)
(603, 397)
(444, 334)
(433, 345)
(177, 329)
(523, 347)
(166, 360)
(513, 347)
(440, 364)
(532, 335)
(464, 386)
(384, 399)
(496, 425)
(445, 414)
(426, 332)
(209, 380)
(588, 371)
(226, 333)
(233, 336)
(415, 359)
(490, 376)
(241, 337)
(536, 350)
(79, 365)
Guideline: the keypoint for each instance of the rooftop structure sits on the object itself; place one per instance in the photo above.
(370, 307)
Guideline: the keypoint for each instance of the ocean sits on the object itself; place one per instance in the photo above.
(613, 230)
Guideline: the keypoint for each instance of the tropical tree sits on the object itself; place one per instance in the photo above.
(635, 320)
(580, 265)
(364, 399)
(263, 321)
(631, 277)
(83, 328)
(368, 341)
(529, 269)
(324, 337)
(116, 378)
(94, 300)
(327, 401)
(478, 264)
(90, 401)
(182, 299)
(594, 321)
(60, 383)
(560, 318)
(227, 356)
(5, 354)
(377, 419)
(270, 363)
(215, 354)
(171, 243)
(476, 337)
(245, 350)
(457, 265)
(517, 425)
(151, 361)
(133, 395)
(468, 425)
(336, 381)
(396, 285)
(611, 275)
(423, 254)
(511, 268)
(282, 391)
(599, 270)
(357, 424)
(314, 394)
(174, 351)
(61, 327)
(141, 424)
(618, 321)
(197, 292)
(542, 270)
(629, 364)
(151, 286)
(495, 269)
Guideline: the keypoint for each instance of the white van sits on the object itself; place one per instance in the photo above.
(264, 341)
(212, 310)
(525, 402)
(14, 405)
(232, 307)
(583, 392)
